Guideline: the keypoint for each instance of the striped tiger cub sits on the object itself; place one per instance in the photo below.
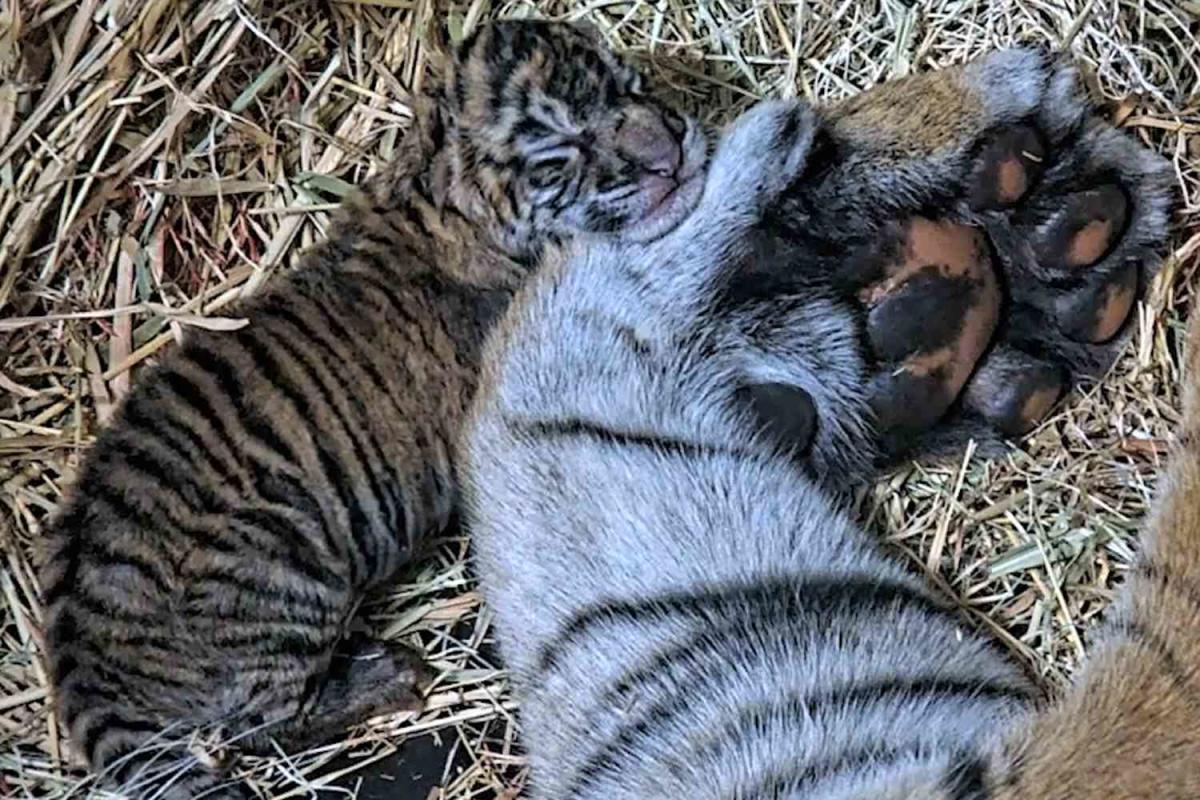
(256, 484)
(686, 609)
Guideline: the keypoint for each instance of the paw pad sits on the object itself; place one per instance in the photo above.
(787, 414)
(1014, 391)
(930, 313)
(1009, 164)
(1086, 229)
(1098, 311)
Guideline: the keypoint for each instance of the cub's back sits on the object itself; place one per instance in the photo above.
(247, 491)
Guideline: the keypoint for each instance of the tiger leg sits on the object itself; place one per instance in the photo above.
(1130, 725)
(367, 677)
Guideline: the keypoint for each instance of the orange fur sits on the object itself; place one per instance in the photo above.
(1130, 726)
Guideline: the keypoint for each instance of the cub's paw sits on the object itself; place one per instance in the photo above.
(763, 151)
(367, 677)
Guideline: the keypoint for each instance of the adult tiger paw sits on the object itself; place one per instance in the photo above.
(994, 235)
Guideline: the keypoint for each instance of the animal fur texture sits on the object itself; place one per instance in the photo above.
(256, 484)
(651, 462)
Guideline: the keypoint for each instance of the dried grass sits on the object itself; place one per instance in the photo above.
(158, 159)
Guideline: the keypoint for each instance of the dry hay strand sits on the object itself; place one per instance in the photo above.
(160, 159)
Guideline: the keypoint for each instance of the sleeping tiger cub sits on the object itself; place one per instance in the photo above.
(256, 484)
(684, 607)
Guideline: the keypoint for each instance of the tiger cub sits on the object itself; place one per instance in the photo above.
(686, 610)
(255, 484)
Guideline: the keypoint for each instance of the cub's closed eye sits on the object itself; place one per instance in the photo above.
(548, 173)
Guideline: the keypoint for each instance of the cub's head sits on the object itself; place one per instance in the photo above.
(557, 136)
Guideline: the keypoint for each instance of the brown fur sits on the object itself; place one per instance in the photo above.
(256, 484)
(1129, 727)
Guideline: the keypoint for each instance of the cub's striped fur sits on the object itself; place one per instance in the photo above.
(255, 484)
(685, 609)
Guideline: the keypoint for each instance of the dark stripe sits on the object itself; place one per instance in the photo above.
(365, 551)
(578, 428)
(108, 613)
(512, 211)
(335, 475)
(267, 644)
(62, 661)
(498, 77)
(631, 737)
(168, 525)
(178, 478)
(344, 337)
(187, 442)
(437, 129)
(366, 362)
(706, 643)
(105, 550)
(390, 488)
(95, 690)
(142, 636)
(570, 193)
(193, 396)
(229, 381)
(803, 776)
(284, 490)
(412, 325)
(284, 530)
(793, 595)
(66, 535)
(416, 219)
(967, 778)
(270, 484)
(111, 668)
(303, 362)
(223, 586)
(366, 357)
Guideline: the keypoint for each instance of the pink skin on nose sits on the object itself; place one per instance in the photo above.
(644, 139)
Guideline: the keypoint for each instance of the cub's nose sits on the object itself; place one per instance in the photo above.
(644, 138)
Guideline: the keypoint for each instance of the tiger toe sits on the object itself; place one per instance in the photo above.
(1009, 163)
(1014, 391)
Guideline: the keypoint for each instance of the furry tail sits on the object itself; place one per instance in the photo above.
(1130, 726)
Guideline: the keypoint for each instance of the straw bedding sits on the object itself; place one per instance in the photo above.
(159, 159)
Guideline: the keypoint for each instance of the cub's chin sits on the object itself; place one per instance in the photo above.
(670, 209)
